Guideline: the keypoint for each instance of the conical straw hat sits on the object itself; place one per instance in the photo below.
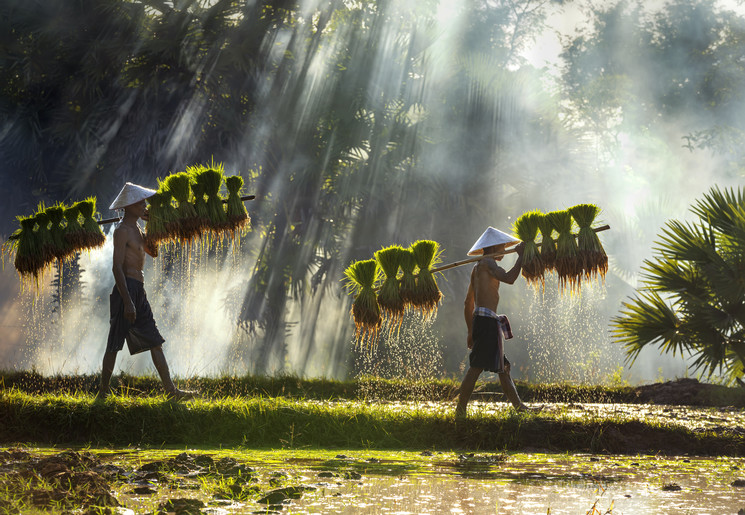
(490, 238)
(131, 194)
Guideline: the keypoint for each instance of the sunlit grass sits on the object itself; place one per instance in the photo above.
(296, 423)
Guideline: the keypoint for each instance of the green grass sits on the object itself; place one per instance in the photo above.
(362, 388)
(281, 422)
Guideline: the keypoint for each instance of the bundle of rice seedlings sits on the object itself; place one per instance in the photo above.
(237, 216)
(155, 227)
(190, 225)
(169, 214)
(200, 206)
(592, 256)
(28, 260)
(427, 294)
(211, 180)
(44, 237)
(389, 295)
(408, 279)
(94, 236)
(548, 245)
(56, 216)
(526, 228)
(75, 238)
(361, 276)
(568, 266)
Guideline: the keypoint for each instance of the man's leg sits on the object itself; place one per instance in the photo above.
(161, 365)
(466, 389)
(107, 369)
(508, 387)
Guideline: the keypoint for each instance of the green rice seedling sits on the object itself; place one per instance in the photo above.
(427, 294)
(211, 179)
(568, 266)
(94, 236)
(27, 255)
(44, 237)
(200, 206)
(190, 225)
(408, 279)
(548, 245)
(389, 295)
(74, 234)
(155, 228)
(169, 213)
(361, 277)
(526, 228)
(591, 253)
(57, 230)
(237, 216)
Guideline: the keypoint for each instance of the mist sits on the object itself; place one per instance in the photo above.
(393, 122)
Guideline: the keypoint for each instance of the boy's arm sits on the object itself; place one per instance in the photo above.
(120, 250)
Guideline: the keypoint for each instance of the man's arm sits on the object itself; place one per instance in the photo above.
(511, 276)
(468, 313)
(121, 237)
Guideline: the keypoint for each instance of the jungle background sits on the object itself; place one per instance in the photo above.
(358, 124)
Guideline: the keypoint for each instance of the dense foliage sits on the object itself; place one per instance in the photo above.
(693, 296)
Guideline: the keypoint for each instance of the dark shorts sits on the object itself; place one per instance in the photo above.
(143, 334)
(487, 352)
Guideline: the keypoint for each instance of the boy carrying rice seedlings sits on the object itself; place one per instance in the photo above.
(486, 329)
(131, 316)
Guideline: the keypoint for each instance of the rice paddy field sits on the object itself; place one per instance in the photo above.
(288, 445)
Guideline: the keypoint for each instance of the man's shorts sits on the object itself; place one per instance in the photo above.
(487, 352)
(143, 334)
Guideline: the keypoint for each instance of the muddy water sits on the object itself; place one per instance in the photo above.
(408, 482)
(542, 483)
(362, 481)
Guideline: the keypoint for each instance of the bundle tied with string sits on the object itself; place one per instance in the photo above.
(568, 267)
(200, 206)
(389, 296)
(189, 224)
(74, 233)
(592, 256)
(211, 180)
(548, 245)
(526, 228)
(44, 237)
(155, 226)
(407, 286)
(93, 236)
(361, 277)
(169, 214)
(427, 294)
(56, 216)
(28, 260)
(237, 216)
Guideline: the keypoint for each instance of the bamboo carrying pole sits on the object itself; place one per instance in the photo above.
(497, 254)
(116, 219)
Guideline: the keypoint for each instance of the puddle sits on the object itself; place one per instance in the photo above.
(223, 481)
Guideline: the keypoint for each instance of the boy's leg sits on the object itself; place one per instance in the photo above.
(107, 369)
(466, 389)
(161, 365)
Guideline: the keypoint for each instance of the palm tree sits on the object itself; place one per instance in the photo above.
(693, 295)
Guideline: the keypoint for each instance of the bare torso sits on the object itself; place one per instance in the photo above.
(129, 246)
(485, 284)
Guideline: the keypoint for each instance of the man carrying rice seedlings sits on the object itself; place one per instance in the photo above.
(131, 316)
(486, 329)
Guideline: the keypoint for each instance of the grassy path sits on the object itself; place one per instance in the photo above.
(286, 422)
